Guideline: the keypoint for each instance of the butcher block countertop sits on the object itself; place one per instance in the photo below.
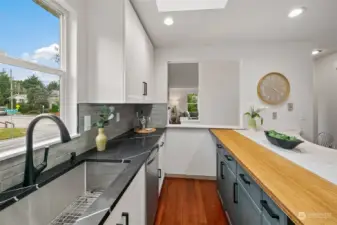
(302, 193)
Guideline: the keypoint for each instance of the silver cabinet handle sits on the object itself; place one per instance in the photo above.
(144, 88)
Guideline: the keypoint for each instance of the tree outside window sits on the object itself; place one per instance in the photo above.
(30, 69)
(192, 105)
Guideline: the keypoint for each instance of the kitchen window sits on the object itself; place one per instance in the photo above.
(32, 69)
(192, 106)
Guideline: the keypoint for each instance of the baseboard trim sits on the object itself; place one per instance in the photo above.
(193, 177)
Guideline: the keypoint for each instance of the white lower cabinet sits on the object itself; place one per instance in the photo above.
(187, 152)
(130, 210)
(161, 162)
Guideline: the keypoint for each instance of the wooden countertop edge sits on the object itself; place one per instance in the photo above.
(290, 213)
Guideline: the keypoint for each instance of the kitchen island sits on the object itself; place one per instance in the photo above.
(301, 182)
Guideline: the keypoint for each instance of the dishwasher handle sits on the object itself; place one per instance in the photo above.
(156, 148)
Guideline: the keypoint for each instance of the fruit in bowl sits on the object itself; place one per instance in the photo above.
(282, 140)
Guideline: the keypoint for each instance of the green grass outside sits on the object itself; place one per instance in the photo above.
(9, 133)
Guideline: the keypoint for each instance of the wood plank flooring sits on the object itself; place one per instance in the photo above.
(189, 202)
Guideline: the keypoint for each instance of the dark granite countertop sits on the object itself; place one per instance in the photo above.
(130, 148)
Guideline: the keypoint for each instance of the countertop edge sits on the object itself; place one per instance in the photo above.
(106, 214)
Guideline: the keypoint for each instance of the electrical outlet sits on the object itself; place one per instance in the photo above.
(118, 118)
(290, 107)
(274, 115)
(87, 123)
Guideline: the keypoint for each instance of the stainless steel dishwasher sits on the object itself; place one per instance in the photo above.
(152, 181)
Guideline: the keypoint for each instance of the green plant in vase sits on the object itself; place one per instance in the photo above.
(254, 116)
(105, 115)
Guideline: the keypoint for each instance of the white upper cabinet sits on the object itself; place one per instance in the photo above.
(120, 59)
(139, 62)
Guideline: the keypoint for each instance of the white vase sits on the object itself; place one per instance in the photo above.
(101, 140)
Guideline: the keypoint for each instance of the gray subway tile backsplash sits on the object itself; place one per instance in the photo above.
(11, 170)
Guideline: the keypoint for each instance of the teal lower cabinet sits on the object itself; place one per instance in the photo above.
(249, 213)
(265, 221)
(242, 198)
(221, 185)
(272, 213)
(232, 197)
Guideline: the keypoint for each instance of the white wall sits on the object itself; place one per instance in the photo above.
(219, 92)
(257, 59)
(183, 75)
(190, 152)
(326, 94)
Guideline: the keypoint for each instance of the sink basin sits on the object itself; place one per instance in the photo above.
(65, 199)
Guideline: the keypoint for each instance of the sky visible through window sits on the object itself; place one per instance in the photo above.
(28, 32)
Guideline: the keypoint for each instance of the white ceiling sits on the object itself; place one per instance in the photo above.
(253, 20)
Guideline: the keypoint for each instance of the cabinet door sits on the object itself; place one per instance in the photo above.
(272, 213)
(231, 197)
(115, 216)
(221, 185)
(105, 52)
(132, 203)
(249, 213)
(218, 171)
(265, 221)
(139, 59)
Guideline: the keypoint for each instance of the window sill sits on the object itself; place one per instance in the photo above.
(22, 150)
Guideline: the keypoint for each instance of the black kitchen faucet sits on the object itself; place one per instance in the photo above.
(32, 172)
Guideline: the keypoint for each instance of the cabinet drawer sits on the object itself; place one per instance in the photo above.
(227, 157)
(249, 213)
(272, 213)
(230, 161)
(254, 190)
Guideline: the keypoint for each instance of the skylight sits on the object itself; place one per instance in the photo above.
(188, 5)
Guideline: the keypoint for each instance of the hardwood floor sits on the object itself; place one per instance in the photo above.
(189, 202)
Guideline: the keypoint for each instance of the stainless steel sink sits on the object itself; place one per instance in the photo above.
(65, 199)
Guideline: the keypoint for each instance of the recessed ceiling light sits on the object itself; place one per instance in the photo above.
(316, 52)
(168, 21)
(296, 12)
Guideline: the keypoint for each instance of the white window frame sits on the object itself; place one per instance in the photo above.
(61, 72)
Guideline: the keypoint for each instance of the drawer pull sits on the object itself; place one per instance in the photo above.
(126, 217)
(243, 177)
(265, 205)
(222, 170)
(219, 146)
(235, 196)
(229, 158)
